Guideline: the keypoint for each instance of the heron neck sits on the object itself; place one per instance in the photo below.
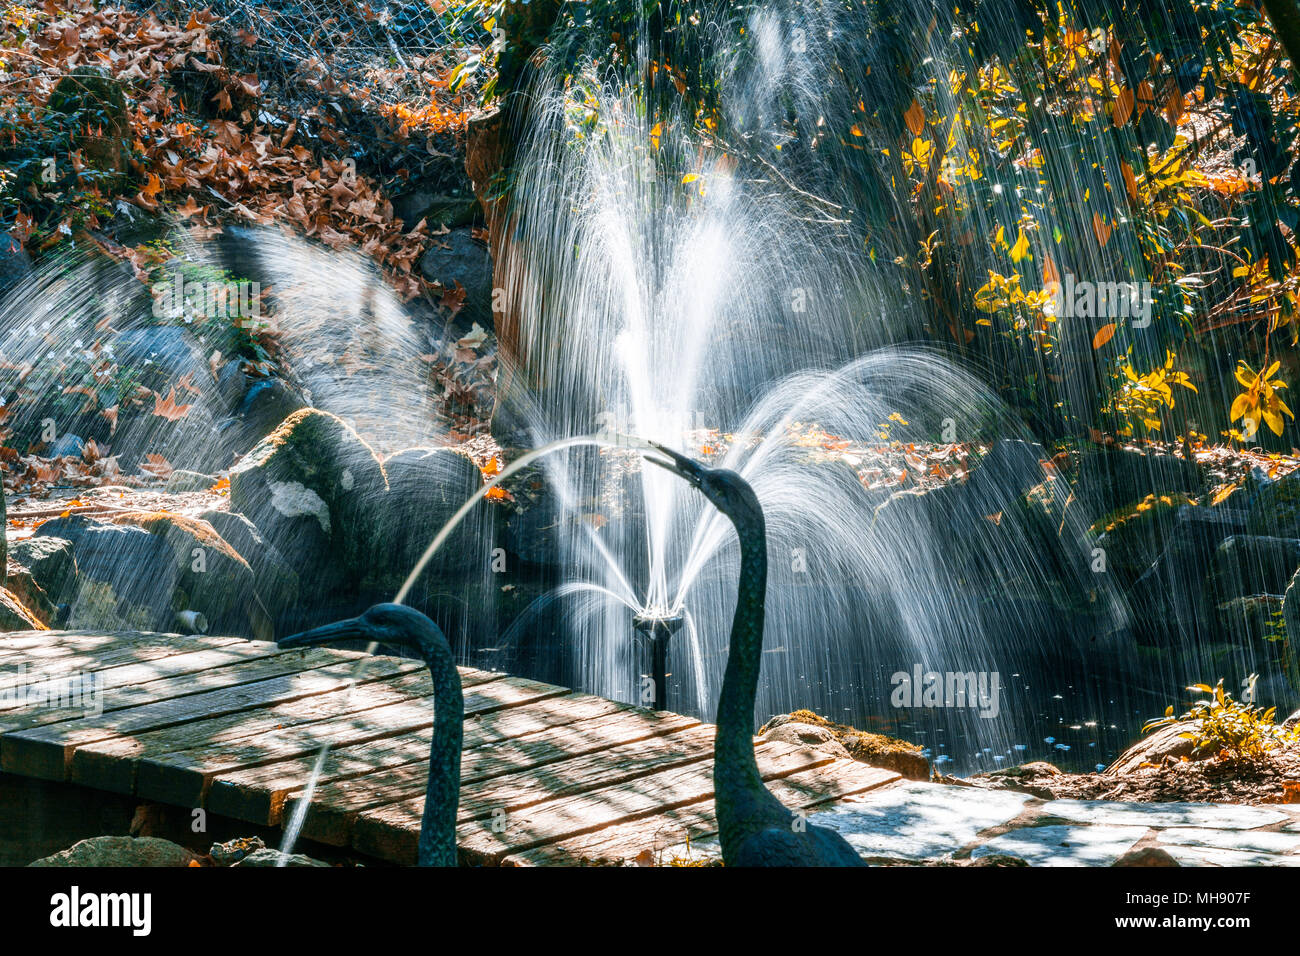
(737, 783)
(442, 794)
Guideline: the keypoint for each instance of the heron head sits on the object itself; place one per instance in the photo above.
(392, 624)
(726, 490)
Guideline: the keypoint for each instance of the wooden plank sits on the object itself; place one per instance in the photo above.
(132, 685)
(390, 832)
(661, 838)
(335, 807)
(258, 794)
(45, 749)
(55, 645)
(112, 764)
(184, 778)
(39, 666)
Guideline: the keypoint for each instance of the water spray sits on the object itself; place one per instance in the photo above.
(659, 624)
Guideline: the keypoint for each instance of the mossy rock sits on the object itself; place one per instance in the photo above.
(211, 576)
(312, 487)
(1135, 535)
(1276, 508)
(51, 563)
(121, 851)
(99, 103)
(426, 487)
(1290, 633)
(877, 750)
(15, 616)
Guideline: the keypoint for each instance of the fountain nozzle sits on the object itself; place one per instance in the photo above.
(659, 625)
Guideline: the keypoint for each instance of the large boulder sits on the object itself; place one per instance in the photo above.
(1275, 509)
(120, 851)
(1254, 564)
(311, 488)
(210, 576)
(878, 750)
(50, 562)
(126, 577)
(276, 582)
(14, 615)
(426, 487)
(1133, 537)
(460, 258)
(15, 263)
(1168, 743)
(1109, 478)
(1172, 600)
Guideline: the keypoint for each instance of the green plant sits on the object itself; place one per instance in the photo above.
(1229, 729)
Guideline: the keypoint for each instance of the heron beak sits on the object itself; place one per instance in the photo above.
(688, 469)
(350, 630)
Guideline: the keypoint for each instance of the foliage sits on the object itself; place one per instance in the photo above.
(1259, 401)
(1228, 728)
(981, 152)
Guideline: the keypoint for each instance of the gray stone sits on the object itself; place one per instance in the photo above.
(1065, 846)
(437, 208)
(1210, 856)
(311, 487)
(181, 480)
(916, 820)
(1219, 815)
(66, 445)
(467, 261)
(276, 583)
(1276, 508)
(1147, 856)
(126, 577)
(232, 851)
(15, 263)
(160, 354)
(268, 857)
(426, 487)
(1254, 564)
(807, 735)
(1261, 841)
(50, 561)
(120, 851)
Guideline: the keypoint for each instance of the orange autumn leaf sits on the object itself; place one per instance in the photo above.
(1100, 229)
(1130, 181)
(168, 408)
(496, 493)
(1123, 107)
(914, 118)
(1104, 335)
(1050, 275)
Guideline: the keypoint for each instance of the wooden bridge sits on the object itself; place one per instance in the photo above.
(548, 776)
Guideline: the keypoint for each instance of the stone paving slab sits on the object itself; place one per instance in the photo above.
(1210, 856)
(918, 821)
(1249, 840)
(1097, 845)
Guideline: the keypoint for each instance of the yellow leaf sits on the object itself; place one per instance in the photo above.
(689, 178)
(1021, 248)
